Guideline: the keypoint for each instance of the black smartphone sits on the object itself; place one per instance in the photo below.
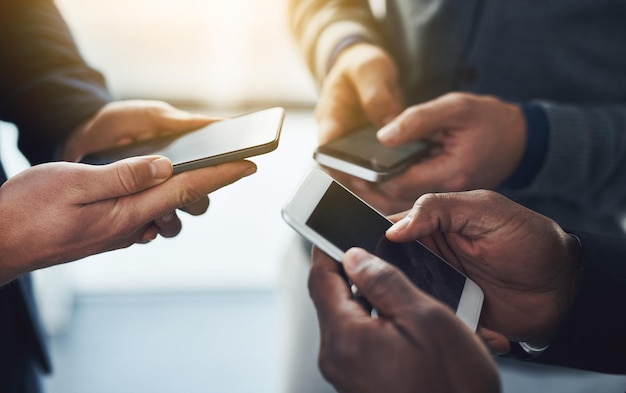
(360, 154)
(223, 141)
(334, 219)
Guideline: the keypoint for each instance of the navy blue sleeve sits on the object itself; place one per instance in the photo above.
(537, 128)
(46, 88)
(343, 45)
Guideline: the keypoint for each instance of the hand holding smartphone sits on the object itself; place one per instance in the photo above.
(360, 154)
(219, 142)
(334, 219)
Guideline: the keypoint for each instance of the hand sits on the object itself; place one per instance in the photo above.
(123, 122)
(416, 344)
(479, 141)
(360, 89)
(59, 212)
(526, 265)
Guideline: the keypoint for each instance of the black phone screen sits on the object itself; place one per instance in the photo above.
(347, 222)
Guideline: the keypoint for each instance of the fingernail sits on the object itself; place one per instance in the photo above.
(250, 171)
(168, 217)
(388, 132)
(400, 225)
(356, 260)
(388, 119)
(161, 167)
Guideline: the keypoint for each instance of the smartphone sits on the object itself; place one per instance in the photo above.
(334, 219)
(360, 154)
(223, 141)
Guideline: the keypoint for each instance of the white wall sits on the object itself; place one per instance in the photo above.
(216, 52)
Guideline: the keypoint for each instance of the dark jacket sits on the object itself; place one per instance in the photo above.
(46, 90)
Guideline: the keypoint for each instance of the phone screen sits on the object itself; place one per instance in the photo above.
(347, 222)
(227, 140)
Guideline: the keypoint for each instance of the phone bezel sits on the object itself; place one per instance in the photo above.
(305, 198)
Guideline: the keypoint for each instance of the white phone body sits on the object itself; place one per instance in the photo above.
(320, 206)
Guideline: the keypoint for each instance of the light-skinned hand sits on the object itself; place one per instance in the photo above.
(360, 89)
(124, 122)
(59, 212)
(480, 141)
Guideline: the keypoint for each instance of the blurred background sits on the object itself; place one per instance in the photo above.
(205, 311)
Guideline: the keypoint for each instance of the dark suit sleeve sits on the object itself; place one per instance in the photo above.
(46, 88)
(593, 336)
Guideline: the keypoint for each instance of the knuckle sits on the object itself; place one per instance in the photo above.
(188, 196)
(432, 312)
(380, 279)
(427, 200)
(488, 195)
(127, 177)
(463, 103)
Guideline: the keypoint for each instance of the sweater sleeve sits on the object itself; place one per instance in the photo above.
(585, 162)
(320, 26)
(46, 87)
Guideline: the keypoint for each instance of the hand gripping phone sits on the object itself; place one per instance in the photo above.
(360, 154)
(334, 219)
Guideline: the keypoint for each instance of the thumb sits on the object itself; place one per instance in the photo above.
(384, 286)
(420, 122)
(472, 214)
(128, 176)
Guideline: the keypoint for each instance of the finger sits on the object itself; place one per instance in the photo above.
(124, 177)
(469, 213)
(160, 117)
(197, 208)
(497, 342)
(169, 225)
(186, 189)
(383, 285)
(381, 102)
(329, 291)
(178, 120)
(337, 113)
(422, 121)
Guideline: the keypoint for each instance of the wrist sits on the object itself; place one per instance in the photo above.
(333, 36)
(537, 131)
(534, 349)
(343, 46)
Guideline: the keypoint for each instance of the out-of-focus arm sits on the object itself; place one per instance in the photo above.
(321, 27)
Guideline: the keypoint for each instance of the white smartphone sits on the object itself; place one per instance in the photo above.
(334, 219)
(360, 154)
(223, 141)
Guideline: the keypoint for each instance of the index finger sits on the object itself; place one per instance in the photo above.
(186, 188)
